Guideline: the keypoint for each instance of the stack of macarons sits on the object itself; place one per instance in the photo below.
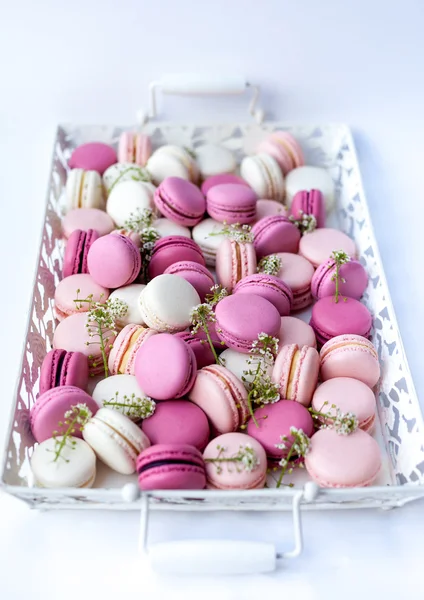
(145, 226)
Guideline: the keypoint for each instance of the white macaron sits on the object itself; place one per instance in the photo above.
(120, 172)
(238, 364)
(167, 227)
(129, 199)
(130, 294)
(84, 190)
(310, 178)
(214, 160)
(204, 234)
(120, 391)
(264, 176)
(172, 161)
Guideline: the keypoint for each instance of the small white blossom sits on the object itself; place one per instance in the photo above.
(270, 265)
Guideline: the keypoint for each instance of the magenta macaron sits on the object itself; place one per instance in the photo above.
(353, 279)
(200, 346)
(171, 249)
(221, 179)
(330, 318)
(232, 203)
(309, 203)
(275, 234)
(165, 367)
(76, 251)
(269, 287)
(196, 274)
(171, 467)
(180, 201)
(94, 156)
(63, 368)
(114, 261)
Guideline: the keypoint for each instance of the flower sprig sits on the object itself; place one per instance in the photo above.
(142, 223)
(139, 174)
(261, 389)
(237, 232)
(270, 264)
(76, 416)
(245, 459)
(306, 223)
(298, 447)
(203, 315)
(342, 423)
(101, 322)
(340, 258)
(132, 406)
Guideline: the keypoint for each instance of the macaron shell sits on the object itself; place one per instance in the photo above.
(309, 178)
(205, 235)
(171, 161)
(264, 176)
(180, 201)
(196, 274)
(182, 468)
(296, 372)
(67, 291)
(73, 252)
(214, 160)
(85, 219)
(309, 203)
(285, 149)
(275, 234)
(125, 347)
(123, 171)
(353, 280)
(350, 356)
(330, 319)
(318, 245)
(232, 203)
(129, 198)
(166, 227)
(220, 179)
(239, 364)
(234, 261)
(130, 294)
(269, 208)
(271, 288)
(114, 261)
(93, 156)
(170, 250)
(296, 331)
(200, 346)
(343, 461)
(74, 370)
(50, 368)
(115, 388)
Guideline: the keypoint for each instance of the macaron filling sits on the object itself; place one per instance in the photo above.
(167, 461)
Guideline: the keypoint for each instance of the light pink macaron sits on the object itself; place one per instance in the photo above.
(296, 373)
(297, 272)
(75, 287)
(295, 331)
(234, 261)
(198, 275)
(134, 147)
(284, 148)
(85, 219)
(318, 245)
(125, 347)
(114, 261)
(350, 355)
(269, 208)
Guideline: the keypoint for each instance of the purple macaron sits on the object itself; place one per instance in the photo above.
(94, 156)
(275, 234)
(171, 467)
(330, 318)
(63, 368)
(171, 249)
(180, 201)
(114, 261)
(232, 203)
(76, 251)
(272, 288)
(353, 279)
(198, 275)
(309, 203)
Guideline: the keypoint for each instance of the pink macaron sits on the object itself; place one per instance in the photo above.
(343, 461)
(73, 287)
(134, 147)
(318, 245)
(171, 467)
(63, 368)
(297, 272)
(231, 474)
(269, 287)
(295, 331)
(296, 373)
(309, 203)
(50, 408)
(231, 203)
(180, 201)
(239, 320)
(94, 156)
(221, 179)
(85, 219)
(125, 348)
(274, 421)
(200, 346)
(353, 279)
(114, 261)
(178, 422)
(172, 249)
(330, 319)
(284, 148)
(350, 356)
(234, 261)
(196, 274)
(275, 234)
(165, 367)
(222, 397)
(76, 252)
(269, 208)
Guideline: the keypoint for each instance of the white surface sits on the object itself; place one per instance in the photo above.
(359, 62)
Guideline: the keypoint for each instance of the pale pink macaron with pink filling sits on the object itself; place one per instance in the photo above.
(134, 147)
(198, 275)
(114, 261)
(224, 469)
(295, 331)
(297, 272)
(350, 356)
(75, 287)
(275, 234)
(125, 348)
(296, 373)
(284, 148)
(234, 261)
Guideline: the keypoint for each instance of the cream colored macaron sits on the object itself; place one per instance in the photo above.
(84, 190)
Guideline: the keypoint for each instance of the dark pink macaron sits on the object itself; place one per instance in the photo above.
(94, 156)
(180, 201)
(171, 467)
(353, 279)
(178, 422)
(171, 249)
(232, 203)
(76, 251)
(196, 274)
(201, 348)
(272, 288)
(240, 319)
(309, 203)
(275, 234)
(220, 179)
(165, 367)
(63, 368)
(114, 261)
(330, 318)
(50, 408)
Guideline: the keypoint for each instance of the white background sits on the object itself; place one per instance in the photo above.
(90, 61)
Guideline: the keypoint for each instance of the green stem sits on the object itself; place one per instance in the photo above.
(336, 299)
(68, 432)
(121, 175)
(284, 469)
(220, 460)
(103, 350)
(249, 397)
(208, 337)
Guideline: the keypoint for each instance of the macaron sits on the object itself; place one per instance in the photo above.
(50, 407)
(343, 461)
(296, 373)
(115, 439)
(196, 274)
(284, 148)
(353, 279)
(234, 261)
(84, 189)
(120, 172)
(134, 147)
(77, 286)
(269, 287)
(330, 319)
(350, 356)
(295, 331)
(165, 350)
(171, 467)
(231, 203)
(75, 468)
(275, 234)
(134, 236)
(76, 252)
(214, 160)
(239, 322)
(128, 199)
(172, 249)
(125, 347)
(200, 346)
(347, 395)
(166, 227)
(274, 421)
(178, 422)
(310, 178)
(85, 219)
(72, 335)
(166, 303)
(297, 273)
(63, 368)
(222, 397)
(205, 234)
(180, 201)
(234, 475)
(269, 208)
(121, 391)
(240, 364)
(264, 176)
(318, 245)
(114, 261)
(220, 179)
(309, 203)
(172, 161)
(93, 156)
(130, 294)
